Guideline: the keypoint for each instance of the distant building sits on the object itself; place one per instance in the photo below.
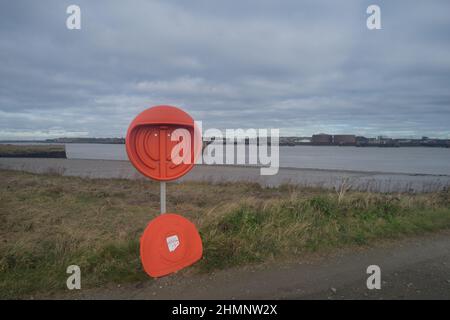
(373, 141)
(304, 140)
(362, 141)
(386, 142)
(322, 139)
(344, 139)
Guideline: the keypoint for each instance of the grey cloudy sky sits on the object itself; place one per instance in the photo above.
(301, 66)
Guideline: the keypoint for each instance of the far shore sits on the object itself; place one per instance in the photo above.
(32, 151)
(284, 142)
(316, 178)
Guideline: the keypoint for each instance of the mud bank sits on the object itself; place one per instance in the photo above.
(329, 179)
(32, 151)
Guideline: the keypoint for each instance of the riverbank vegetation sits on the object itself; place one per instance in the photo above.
(48, 222)
(32, 151)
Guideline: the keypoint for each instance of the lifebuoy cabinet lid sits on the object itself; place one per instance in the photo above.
(149, 142)
(169, 243)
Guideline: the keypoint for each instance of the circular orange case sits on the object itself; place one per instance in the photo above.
(169, 243)
(149, 145)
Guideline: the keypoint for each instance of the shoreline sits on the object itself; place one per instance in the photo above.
(435, 143)
(314, 178)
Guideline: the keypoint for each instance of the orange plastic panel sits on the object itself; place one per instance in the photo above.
(149, 145)
(169, 243)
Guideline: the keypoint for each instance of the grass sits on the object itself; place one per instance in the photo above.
(48, 222)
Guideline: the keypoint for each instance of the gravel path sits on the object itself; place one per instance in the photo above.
(415, 268)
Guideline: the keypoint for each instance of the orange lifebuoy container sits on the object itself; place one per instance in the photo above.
(149, 142)
(169, 243)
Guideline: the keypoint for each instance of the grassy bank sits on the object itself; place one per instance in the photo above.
(33, 151)
(48, 222)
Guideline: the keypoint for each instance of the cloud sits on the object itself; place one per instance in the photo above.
(301, 66)
(185, 86)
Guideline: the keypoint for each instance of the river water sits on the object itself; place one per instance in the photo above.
(416, 160)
